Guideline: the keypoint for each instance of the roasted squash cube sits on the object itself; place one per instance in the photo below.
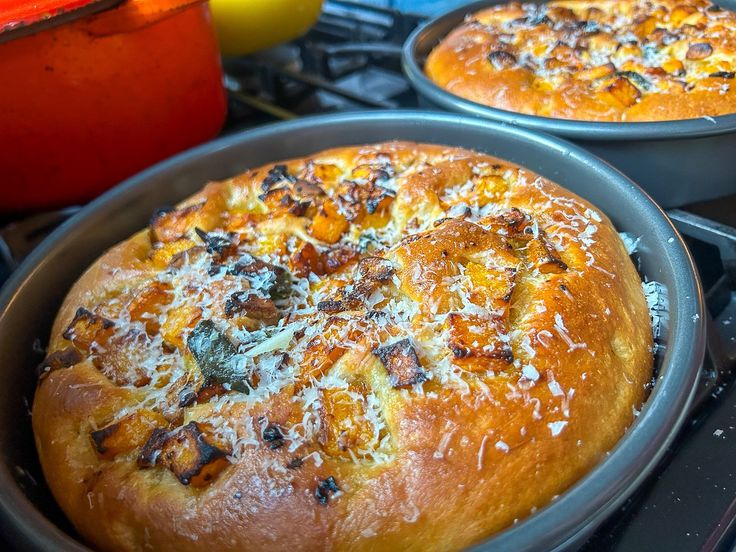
(123, 358)
(344, 426)
(492, 287)
(147, 304)
(166, 253)
(129, 433)
(177, 321)
(87, 328)
(595, 73)
(479, 343)
(63, 358)
(328, 224)
(193, 453)
(543, 256)
(623, 92)
(322, 173)
(170, 225)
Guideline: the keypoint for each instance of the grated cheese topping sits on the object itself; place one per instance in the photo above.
(339, 293)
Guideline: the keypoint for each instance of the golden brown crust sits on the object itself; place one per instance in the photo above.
(387, 424)
(594, 60)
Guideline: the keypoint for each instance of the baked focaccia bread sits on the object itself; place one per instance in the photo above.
(597, 60)
(394, 346)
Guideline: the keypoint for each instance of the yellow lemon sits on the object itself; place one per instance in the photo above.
(245, 26)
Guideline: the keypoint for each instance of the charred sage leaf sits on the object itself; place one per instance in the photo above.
(187, 396)
(326, 488)
(216, 244)
(277, 174)
(723, 75)
(215, 355)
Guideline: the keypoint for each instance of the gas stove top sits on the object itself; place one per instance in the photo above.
(350, 61)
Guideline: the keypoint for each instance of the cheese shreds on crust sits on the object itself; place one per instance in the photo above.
(393, 345)
(594, 60)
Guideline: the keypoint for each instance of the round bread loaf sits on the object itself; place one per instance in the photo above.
(598, 60)
(394, 346)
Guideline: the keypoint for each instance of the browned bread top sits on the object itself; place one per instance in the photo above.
(594, 60)
(396, 346)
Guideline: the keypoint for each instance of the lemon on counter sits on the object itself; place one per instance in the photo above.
(245, 26)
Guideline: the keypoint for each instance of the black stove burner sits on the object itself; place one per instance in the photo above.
(349, 61)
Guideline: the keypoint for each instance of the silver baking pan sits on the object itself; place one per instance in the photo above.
(31, 297)
(676, 162)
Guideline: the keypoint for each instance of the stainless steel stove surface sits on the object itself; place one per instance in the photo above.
(350, 61)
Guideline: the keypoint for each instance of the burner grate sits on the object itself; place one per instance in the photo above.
(350, 60)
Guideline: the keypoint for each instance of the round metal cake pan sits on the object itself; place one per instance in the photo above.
(676, 162)
(30, 299)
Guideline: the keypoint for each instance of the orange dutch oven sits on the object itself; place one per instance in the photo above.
(89, 102)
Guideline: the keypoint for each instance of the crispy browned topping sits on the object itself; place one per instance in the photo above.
(501, 59)
(191, 452)
(699, 50)
(86, 328)
(128, 434)
(63, 358)
(324, 489)
(422, 260)
(273, 435)
(593, 59)
(401, 362)
(252, 306)
(474, 337)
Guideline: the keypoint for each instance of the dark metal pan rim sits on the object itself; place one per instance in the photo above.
(593, 497)
(589, 130)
